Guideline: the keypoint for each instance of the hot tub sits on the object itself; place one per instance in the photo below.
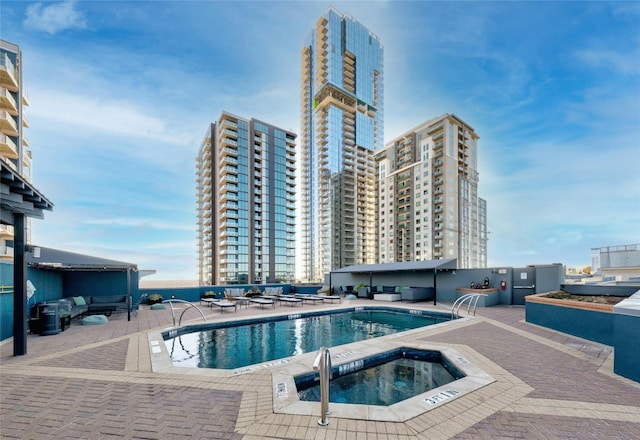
(383, 379)
(391, 382)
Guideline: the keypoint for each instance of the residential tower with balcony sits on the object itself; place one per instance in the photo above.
(245, 177)
(428, 202)
(341, 127)
(14, 146)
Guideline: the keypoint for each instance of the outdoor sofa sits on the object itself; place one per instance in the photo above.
(417, 293)
(91, 304)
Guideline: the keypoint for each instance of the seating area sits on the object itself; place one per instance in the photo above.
(269, 297)
(387, 293)
(91, 304)
(414, 294)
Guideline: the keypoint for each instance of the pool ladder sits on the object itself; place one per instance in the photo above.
(471, 298)
(323, 363)
(173, 313)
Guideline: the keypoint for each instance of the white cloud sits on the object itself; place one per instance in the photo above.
(139, 222)
(93, 112)
(620, 62)
(54, 18)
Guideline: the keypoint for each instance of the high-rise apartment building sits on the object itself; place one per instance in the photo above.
(245, 174)
(341, 126)
(428, 200)
(14, 146)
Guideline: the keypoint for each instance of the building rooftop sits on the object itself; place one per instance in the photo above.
(97, 381)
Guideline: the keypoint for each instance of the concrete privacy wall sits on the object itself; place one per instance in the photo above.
(48, 286)
(626, 338)
(99, 283)
(588, 324)
(598, 289)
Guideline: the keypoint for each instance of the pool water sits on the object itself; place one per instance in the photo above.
(384, 380)
(237, 345)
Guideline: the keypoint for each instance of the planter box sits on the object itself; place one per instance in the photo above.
(492, 298)
(586, 320)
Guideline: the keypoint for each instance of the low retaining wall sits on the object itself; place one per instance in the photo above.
(626, 338)
(585, 320)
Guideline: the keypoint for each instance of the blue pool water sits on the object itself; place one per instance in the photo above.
(241, 343)
(384, 379)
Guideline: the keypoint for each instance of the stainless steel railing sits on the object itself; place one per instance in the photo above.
(471, 298)
(173, 313)
(323, 363)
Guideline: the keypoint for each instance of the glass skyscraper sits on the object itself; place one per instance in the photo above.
(246, 203)
(341, 127)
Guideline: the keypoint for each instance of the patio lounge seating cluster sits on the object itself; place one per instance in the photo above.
(417, 293)
(234, 297)
(92, 304)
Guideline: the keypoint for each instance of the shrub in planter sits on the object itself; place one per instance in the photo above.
(154, 298)
(255, 291)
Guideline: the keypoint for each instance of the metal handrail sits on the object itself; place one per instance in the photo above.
(472, 299)
(323, 363)
(173, 314)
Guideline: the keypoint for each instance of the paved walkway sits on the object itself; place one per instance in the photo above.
(97, 382)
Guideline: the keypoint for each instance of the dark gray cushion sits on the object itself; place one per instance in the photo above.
(108, 299)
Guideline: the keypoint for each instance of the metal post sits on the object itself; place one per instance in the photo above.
(435, 286)
(19, 286)
(323, 363)
(129, 299)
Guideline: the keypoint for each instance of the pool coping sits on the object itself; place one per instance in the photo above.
(285, 369)
(161, 359)
(286, 401)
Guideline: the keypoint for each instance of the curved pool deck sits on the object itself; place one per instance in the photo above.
(98, 382)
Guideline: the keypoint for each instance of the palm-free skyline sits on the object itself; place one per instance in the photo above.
(121, 94)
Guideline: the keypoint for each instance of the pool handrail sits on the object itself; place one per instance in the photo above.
(323, 363)
(173, 314)
(472, 298)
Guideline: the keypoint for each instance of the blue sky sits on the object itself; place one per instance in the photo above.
(121, 94)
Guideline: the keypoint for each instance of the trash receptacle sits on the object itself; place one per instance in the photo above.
(49, 319)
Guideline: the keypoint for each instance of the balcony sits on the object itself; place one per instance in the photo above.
(7, 101)
(8, 124)
(435, 128)
(6, 232)
(8, 147)
(228, 123)
(8, 73)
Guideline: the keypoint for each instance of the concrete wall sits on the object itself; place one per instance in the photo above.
(99, 283)
(549, 277)
(588, 324)
(595, 289)
(48, 285)
(626, 338)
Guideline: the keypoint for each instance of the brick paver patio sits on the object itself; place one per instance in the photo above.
(97, 382)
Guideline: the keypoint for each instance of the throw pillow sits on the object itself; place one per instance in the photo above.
(79, 301)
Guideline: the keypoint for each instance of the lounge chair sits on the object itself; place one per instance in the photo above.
(310, 297)
(263, 302)
(222, 303)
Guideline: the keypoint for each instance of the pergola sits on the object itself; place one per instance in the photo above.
(19, 200)
(432, 266)
(67, 262)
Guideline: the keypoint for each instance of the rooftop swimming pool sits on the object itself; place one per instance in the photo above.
(238, 344)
